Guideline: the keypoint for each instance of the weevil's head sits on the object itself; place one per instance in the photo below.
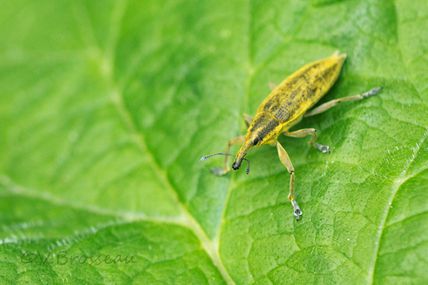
(250, 141)
(262, 130)
(240, 156)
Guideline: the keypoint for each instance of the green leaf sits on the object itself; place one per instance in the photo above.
(106, 107)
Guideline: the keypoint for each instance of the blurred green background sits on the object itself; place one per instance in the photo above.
(107, 106)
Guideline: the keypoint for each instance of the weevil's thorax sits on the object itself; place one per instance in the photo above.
(264, 129)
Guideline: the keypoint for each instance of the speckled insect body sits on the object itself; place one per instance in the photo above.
(288, 102)
(285, 106)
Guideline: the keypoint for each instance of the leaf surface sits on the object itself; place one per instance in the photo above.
(105, 109)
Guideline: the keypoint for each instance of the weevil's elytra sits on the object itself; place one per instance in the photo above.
(285, 106)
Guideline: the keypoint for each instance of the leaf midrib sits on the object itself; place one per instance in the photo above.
(397, 183)
(188, 220)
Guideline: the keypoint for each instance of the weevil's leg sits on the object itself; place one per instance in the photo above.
(222, 171)
(313, 142)
(285, 160)
(324, 107)
(247, 119)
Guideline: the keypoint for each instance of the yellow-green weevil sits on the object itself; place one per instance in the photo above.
(285, 106)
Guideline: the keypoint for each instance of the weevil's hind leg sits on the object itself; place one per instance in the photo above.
(247, 119)
(222, 171)
(285, 160)
(324, 107)
(313, 142)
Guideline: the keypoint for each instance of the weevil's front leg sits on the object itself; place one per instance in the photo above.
(324, 107)
(309, 132)
(285, 160)
(272, 86)
(247, 119)
(222, 171)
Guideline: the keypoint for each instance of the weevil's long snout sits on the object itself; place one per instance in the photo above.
(240, 156)
(236, 164)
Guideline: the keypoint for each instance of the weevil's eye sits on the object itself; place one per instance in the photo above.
(256, 140)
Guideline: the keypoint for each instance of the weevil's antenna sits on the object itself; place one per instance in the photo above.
(248, 166)
(205, 157)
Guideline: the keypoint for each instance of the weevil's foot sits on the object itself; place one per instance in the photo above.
(322, 148)
(296, 210)
(218, 171)
(371, 92)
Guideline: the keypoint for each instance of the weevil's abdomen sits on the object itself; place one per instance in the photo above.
(290, 100)
(299, 92)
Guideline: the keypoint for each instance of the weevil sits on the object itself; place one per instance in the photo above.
(286, 105)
